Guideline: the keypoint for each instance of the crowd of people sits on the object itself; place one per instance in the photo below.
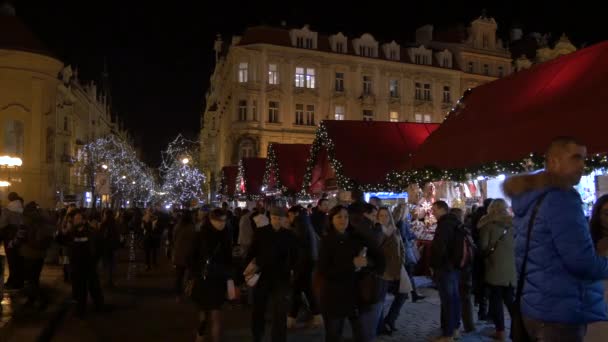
(541, 259)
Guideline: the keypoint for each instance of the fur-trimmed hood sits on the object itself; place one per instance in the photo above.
(502, 219)
(519, 184)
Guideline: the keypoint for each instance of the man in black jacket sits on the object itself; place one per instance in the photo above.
(275, 252)
(445, 269)
(319, 217)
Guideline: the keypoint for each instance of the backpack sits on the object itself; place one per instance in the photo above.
(463, 247)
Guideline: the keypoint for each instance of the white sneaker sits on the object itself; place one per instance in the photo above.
(291, 322)
(317, 321)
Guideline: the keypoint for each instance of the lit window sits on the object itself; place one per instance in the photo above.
(243, 72)
(394, 88)
(14, 137)
(427, 118)
(273, 74)
(393, 117)
(310, 78)
(300, 77)
(273, 111)
(339, 113)
(368, 115)
(339, 81)
(243, 110)
(418, 118)
(427, 92)
(367, 85)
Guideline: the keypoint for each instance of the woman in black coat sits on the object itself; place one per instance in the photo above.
(342, 254)
(211, 268)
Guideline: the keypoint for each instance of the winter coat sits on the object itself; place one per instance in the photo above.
(38, 236)
(319, 221)
(307, 241)
(275, 253)
(394, 256)
(339, 290)
(11, 219)
(597, 332)
(209, 245)
(409, 242)
(83, 246)
(500, 264)
(563, 277)
(442, 254)
(183, 237)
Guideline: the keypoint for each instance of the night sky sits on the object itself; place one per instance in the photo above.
(160, 55)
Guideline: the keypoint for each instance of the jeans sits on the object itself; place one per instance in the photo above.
(370, 315)
(396, 305)
(466, 285)
(335, 325)
(278, 296)
(498, 296)
(554, 332)
(447, 284)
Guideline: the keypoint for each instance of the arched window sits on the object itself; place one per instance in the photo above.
(13, 137)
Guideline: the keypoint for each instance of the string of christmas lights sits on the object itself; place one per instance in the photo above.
(182, 179)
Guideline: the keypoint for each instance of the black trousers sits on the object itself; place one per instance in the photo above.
(278, 297)
(303, 285)
(334, 327)
(85, 280)
(180, 272)
(151, 254)
(15, 266)
(33, 268)
(498, 296)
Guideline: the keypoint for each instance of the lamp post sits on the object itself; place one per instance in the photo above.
(9, 163)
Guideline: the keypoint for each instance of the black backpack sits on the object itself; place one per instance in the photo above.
(463, 247)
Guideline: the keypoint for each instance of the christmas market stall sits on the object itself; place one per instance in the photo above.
(227, 183)
(285, 166)
(347, 153)
(249, 179)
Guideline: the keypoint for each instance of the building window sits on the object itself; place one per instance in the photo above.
(427, 92)
(446, 62)
(310, 115)
(300, 77)
(367, 85)
(486, 69)
(418, 93)
(426, 60)
(13, 137)
(242, 110)
(340, 47)
(501, 71)
(418, 118)
(368, 115)
(393, 55)
(427, 118)
(299, 114)
(65, 123)
(246, 149)
(243, 68)
(309, 43)
(300, 42)
(485, 41)
(273, 74)
(394, 88)
(393, 117)
(470, 67)
(339, 113)
(273, 112)
(418, 59)
(339, 81)
(446, 95)
(254, 110)
(310, 78)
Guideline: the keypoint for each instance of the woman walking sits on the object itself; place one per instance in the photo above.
(597, 332)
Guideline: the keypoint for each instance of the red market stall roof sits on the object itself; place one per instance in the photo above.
(363, 152)
(508, 119)
(228, 180)
(250, 175)
(286, 163)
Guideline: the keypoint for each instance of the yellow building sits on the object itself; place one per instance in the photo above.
(274, 84)
(45, 114)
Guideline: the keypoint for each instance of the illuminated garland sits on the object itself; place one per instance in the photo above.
(182, 181)
(272, 167)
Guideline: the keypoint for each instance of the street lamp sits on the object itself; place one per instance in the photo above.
(124, 177)
(4, 184)
(185, 161)
(104, 166)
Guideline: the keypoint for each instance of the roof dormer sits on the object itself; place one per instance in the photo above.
(444, 58)
(366, 46)
(421, 55)
(303, 38)
(392, 51)
(338, 43)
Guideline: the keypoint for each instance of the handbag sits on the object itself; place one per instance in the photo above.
(487, 253)
(518, 330)
(405, 283)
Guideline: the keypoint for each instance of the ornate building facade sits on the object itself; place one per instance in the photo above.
(46, 115)
(275, 84)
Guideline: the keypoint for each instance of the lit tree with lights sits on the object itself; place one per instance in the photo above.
(182, 178)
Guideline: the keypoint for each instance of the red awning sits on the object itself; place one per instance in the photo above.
(291, 164)
(253, 174)
(507, 119)
(368, 150)
(228, 180)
